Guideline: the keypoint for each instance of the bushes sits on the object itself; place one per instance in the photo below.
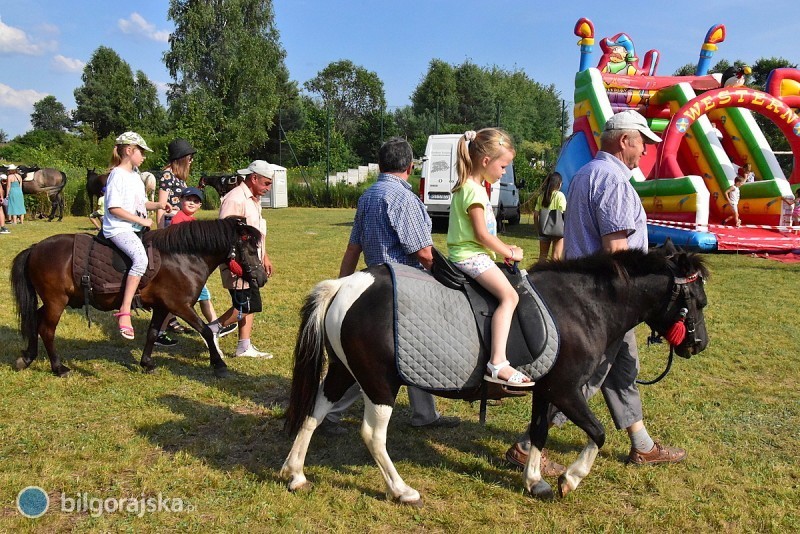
(319, 195)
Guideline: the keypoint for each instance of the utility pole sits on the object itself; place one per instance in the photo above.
(328, 147)
(497, 116)
(563, 120)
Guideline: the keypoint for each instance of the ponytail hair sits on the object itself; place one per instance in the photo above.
(551, 184)
(117, 155)
(473, 146)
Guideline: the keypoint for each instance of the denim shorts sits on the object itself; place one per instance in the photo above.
(205, 294)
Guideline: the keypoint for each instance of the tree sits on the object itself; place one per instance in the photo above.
(3, 136)
(228, 68)
(50, 114)
(764, 66)
(150, 115)
(476, 100)
(352, 92)
(105, 101)
(685, 70)
(309, 144)
(436, 95)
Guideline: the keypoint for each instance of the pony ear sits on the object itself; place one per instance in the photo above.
(669, 247)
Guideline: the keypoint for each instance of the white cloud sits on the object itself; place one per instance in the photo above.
(136, 24)
(67, 64)
(15, 41)
(22, 99)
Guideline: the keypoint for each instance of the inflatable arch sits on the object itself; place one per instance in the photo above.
(774, 109)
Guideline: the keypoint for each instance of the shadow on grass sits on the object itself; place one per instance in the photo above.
(229, 438)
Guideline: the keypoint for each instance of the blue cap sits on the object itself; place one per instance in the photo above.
(193, 191)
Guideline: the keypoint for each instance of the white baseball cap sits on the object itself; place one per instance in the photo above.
(258, 166)
(632, 120)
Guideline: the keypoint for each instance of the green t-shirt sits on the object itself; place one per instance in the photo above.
(558, 202)
(461, 242)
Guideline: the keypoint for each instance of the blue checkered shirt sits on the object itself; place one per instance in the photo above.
(391, 223)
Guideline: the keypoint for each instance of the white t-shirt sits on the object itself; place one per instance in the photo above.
(125, 190)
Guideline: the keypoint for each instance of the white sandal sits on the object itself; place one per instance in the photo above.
(516, 380)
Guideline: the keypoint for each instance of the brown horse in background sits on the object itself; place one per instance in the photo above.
(189, 252)
(48, 181)
(96, 182)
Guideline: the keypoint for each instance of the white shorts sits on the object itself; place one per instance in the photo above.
(476, 265)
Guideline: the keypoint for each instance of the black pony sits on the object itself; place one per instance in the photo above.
(96, 182)
(594, 301)
(222, 183)
(190, 252)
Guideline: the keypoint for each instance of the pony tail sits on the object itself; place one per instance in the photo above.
(463, 163)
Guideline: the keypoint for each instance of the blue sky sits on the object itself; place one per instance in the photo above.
(44, 44)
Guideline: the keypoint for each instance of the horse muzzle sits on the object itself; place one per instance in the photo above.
(259, 277)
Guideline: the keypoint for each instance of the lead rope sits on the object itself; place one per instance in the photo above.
(666, 370)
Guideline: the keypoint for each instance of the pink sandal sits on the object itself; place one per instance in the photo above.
(125, 331)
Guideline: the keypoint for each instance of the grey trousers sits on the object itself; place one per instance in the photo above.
(616, 378)
(423, 407)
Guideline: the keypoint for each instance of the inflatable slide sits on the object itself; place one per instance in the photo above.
(709, 133)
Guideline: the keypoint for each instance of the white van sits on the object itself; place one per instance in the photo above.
(439, 175)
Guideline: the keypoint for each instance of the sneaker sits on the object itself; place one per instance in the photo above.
(175, 326)
(660, 454)
(4, 230)
(225, 330)
(253, 352)
(163, 340)
(549, 468)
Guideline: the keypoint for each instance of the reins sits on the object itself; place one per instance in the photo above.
(684, 326)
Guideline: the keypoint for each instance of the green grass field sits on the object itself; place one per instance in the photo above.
(108, 431)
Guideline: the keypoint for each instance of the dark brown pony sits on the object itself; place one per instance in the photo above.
(96, 182)
(48, 181)
(190, 252)
(594, 301)
(222, 183)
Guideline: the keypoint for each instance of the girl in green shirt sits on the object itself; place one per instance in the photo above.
(551, 198)
(472, 240)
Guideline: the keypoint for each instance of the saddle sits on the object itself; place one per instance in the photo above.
(443, 330)
(528, 338)
(101, 268)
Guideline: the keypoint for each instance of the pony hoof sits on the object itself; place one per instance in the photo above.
(542, 491)
(413, 504)
(22, 363)
(563, 486)
(149, 369)
(63, 371)
(305, 487)
(221, 372)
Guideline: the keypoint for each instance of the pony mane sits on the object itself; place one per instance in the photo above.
(627, 263)
(197, 237)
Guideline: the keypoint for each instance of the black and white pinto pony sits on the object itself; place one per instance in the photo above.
(594, 301)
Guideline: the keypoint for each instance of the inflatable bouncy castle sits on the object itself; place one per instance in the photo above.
(708, 131)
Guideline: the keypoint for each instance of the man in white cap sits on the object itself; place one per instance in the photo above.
(244, 200)
(606, 214)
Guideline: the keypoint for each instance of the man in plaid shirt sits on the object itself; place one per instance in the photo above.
(391, 226)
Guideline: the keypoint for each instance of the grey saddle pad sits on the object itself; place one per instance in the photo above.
(437, 344)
